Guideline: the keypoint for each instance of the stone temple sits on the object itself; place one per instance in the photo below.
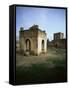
(33, 41)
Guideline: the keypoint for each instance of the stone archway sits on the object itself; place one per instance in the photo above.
(42, 45)
(28, 45)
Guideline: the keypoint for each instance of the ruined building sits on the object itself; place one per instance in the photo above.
(33, 40)
(58, 40)
(58, 35)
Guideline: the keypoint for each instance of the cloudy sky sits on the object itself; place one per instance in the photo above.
(49, 19)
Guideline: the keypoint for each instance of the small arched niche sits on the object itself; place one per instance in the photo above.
(28, 45)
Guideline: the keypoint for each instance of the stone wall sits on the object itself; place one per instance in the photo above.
(42, 36)
(60, 43)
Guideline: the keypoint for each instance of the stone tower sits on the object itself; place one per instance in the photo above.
(33, 41)
(58, 35)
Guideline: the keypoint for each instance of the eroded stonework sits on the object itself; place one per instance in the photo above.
(33, 41)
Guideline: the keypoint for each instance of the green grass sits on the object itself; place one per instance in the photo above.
(52, 69)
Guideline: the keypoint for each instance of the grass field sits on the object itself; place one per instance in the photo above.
(48, 68)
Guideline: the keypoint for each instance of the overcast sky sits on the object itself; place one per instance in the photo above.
(48, 19)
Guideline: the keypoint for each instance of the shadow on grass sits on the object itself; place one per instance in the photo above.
(40, 73)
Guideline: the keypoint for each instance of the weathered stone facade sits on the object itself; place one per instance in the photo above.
(59, 41)
(58, 35)
(33, 40)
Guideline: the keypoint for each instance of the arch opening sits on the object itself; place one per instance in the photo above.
(42, 45)
(28, 45)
